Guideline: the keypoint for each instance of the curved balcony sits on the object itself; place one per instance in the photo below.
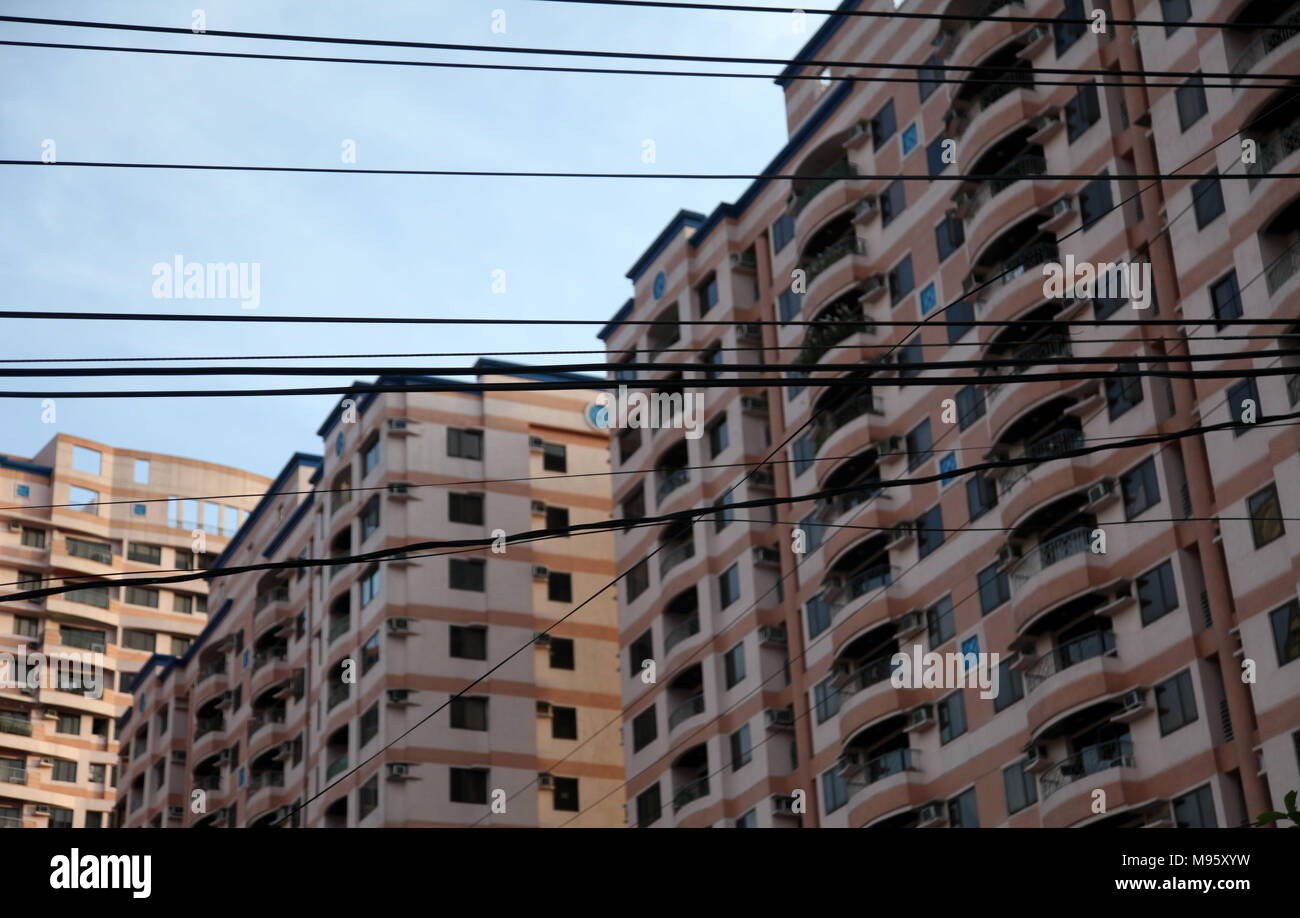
(839, 327)
(825, 196)
(976, 38)
(1084, 669)
(1001, 202)
(1065, 796)
(263, 786)
(675, 553)
(863, 475)
(668, 481)
(1015, 282)
(1268, 51)
(277, 596)
(689, 793)
(209, 736)
(834, 267)
(681, 632)
(894, 783)
(1052, 571)
(1273, 150)
(995, 108)
(685, 711)
(1007, 401)
(1047, 483)
(868, 696)
(847, 427)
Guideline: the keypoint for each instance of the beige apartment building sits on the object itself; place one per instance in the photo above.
(1163, 671)
(84, 508)
(304, 675)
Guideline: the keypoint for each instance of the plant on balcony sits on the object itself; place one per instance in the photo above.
(1270, 818)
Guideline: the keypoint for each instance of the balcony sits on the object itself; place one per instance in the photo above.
(1020, 168)
(674, 554)
(1269, 41)
(1071, 653)
(858, 584)
(279, 594)
(260, 779)
(12, 773)
(275, 654)
(1043, 449)
(669, 480)
(1282, 270)
(1044, 555)
(894, 762)
(82, 640)
(259, 719)
(1091, 760)
(339, 627)
(686, 710)
(338, 764)
(12, 723)
(209, 782)
(100, 554)
(690, 792)
(212, 669)
(836, 323)
(205, 725)
(859, 405)
(873, 672)
(681, 632)
(11, 822)
(802, 198)
(827, 257)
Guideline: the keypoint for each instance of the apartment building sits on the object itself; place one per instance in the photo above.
(1161, 670)
(85, 508)
(306, 701)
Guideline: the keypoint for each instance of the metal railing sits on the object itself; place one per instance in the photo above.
(840, 170)
(688, 708)
(335, 766)
(102, 554)
(259, 719)
(681, 632)
(1071, 653)
(693, 791)
(19, 726)
(212, 669)
(1048, 553)
(1089, 761)
(868, 674)
(675, 555)
(1286, 27)
(1282, 269)
(11, 822)
(262, 657)
(1272, 151)
(206, 725)
(858, 584)
(830, 328)
(340, 626)
(848, 245)
(860, 404)
(1027, 258)
(669, 481)
(260, 779)
(1051, 446)
(208, 782)
(12, 774)
(1022, 167)
(338, 693)
(278, 594)
(889, 763)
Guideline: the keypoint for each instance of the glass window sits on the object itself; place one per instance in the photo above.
(87, 460)
(1095, 200)
(1241, 396)
(467, 574)
(469, 713)
(464, 444)
(561, 653)
(645, 729)
(948, 236)
(1157, 595)
(1195, 810)
(901, 281)
(554, 457)
(1122, 393)
(564, 723)
(741, 748)
(835, 790)
(929, 531)
(1175, 702)
(468, 642)
(142, 471)
(970, 406)
(919, 445)
(465, 508)
(827, 698)
(648, 806)
(729, 586)
(940, 622)
(1208, 197)
(1286, 632)
(962, 811)
(1265, 516)
(1065, 34)
(734, 664)
(934, 160)
(1140, 489)
(469, 785)
(370, 585)
(782, 232)
(952, 717)
(883, 125)
(1191, 102)
(559, 587)
(1081, 112)
(1011, 687)
(1021, 788)
(1225, 298)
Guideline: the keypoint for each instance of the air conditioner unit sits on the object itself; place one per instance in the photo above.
(771, 634)
(15, 526)
(399, 696)
(51, 714)
(399, 488)
(783, 805)
(902, 533)
(932, 814)
(545, 779)
(283, 750)
(178, 755)
(543, 709)
(541, 639)
(761, 479)
(398, 423)
(536, 443)
(399, 626)
(778, 718)
(1132, 706)
(753, 403)
(1006, 554)
(1061, 207)
(920, 717)
(226, 697)
(540, 572)
(861, 130)
(175, 812)
(765, 554)
(539, 506)
(41, 809)
(742, 260)
(910, 623)
(223, 756)
(399, 770)
(749, 330)
(873, 288)
(1035, 758)
(890, 445)
(46, 763)
(1101, 492)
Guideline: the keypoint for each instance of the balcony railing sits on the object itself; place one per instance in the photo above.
(840, 170)
(19, 726)
(688, 708)
(259, 719)
(693, 791)
(206, 725)
(82, 640)
(855, 407)
(212, 669)
(686, 629)
(1022, 78)
(91, 552)
(830, 508)
(260, 779)
(1285, 28)
(208, 782)
(868, 674)
(11, 822)
(1071, 653)
(1048, 553)
(12, 774)
(1282, 269)
(1088, 761)
(859, 583)
(1022, 167)
(278, 594)
(263, 657)
(890, 763)
(339, 763)
(669, 481)
(1273, 151)
(675, 555)
(848, 245)
(1044, 448)
(829, 329)
(339, 626)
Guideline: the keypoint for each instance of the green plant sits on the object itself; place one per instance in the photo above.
(1291, 813)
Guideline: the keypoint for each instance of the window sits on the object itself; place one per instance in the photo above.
(370, 584)
(819, 615)
(1140, 488)
(370, 456)
(827, 698)
(910, 138)
(465, 508)
(782, 232)
(1157, 595)
(557, 517)
(1191, 102)
(184, 560)
(559, 587)
(883, 125)
(139, 510)
(468, 642)
(566, 794)
(1011, 687)
(981, 495)
(919, 445)
(638, 580)
(725, 514)
(911, 352)
(929, 78)
(1020, 786)
(87, 460)
(940, 622)
(803, 451)
(1066, 34)
(1225, 299)
(934, 158)
(1175, 11)
(948, 235)
(1095, 200)
(961, 311)
(138, 640)
(929, 531)
(69, 723)
(1104, 307)
(892, 201)
(741, 749)
(338, 444)
(464, 444)
(183, 603)
(645, 729)
(98, 772)
(929, 299)
(707, 294)
(139, 596)
(729, 586)
(469, 713)
(368, 797)
(370, 517)
(1286, 632)
(962, 812)
(1122, 393)
(970, 406)
(712, 360)
(1195, 810)
(83, 500)
(23, 490)
(748, 821)
(648, 807)
(370, 724)
(835, 790)
(1207, 194)
(1081, 112)
(717, 436)
(469, 785)
(64, 770)
(370, 653)
(901, 281)
(562, 653)
(25, 626)
(1175, 702)
(788, 304)
(180, 645)
(1265, 516)
(555, 457)
(467, 574)
(145, 554)
(952, 717)
(564, 723)
(734, 664)
(1239, 394)
(33, 538)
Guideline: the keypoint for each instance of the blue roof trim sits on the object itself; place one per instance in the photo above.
(289, 526)
(684, 218)
(298, 459)
(623, 312)
(19, 465)
(815, 44)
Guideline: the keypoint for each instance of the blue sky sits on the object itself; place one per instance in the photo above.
(87, 239)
